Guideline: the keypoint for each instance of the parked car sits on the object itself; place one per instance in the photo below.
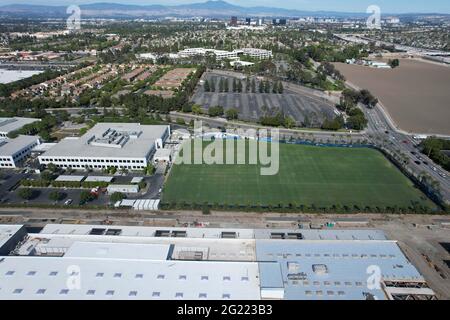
(68, 202)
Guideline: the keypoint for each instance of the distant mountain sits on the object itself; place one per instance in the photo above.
(210, 8)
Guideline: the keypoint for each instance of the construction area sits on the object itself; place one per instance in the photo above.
(419, 237)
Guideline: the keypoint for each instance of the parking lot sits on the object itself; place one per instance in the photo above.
(306, 110)
(10, 186)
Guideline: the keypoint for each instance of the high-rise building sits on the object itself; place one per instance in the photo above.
(248, 21)
(234, 21)
(279, 22)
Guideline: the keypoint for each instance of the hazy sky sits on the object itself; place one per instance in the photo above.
(387, 6)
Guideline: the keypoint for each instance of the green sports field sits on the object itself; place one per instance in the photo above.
(309, 176)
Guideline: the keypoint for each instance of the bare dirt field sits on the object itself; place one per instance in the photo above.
(416, 94)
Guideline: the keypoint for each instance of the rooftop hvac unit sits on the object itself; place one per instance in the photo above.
(190, 255)
(320, 269)
(293, 267)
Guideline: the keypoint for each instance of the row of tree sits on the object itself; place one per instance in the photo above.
(293, 207)
(434, 148)
(238, 87)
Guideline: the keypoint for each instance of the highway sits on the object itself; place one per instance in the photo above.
(381, 128)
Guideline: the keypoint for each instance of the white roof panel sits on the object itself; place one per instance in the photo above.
(107, 250)
(46, 278)
(67, 178)
(99, 179)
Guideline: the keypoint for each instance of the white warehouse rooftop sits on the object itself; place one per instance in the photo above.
(119, 262)
(120, 145)
(8, 125)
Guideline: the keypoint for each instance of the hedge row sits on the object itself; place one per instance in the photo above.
(291, 208)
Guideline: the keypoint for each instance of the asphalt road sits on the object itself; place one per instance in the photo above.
(379, 124)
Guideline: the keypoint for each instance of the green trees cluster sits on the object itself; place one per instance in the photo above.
(56, 196)
(334, 125)
(329, 53)
(35, 183)
(232, 114)
(117, 196)
(298, 208)
(216, 111)
(433, 147)
(207, 86)
(330, 70)
(394, 63)
(86, 197)
(356, 120)
(237, 85)
(150, 169)
(349, 100)
(224, 85)
(27, 193)
(277, 120)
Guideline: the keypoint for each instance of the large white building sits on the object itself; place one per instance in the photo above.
(14, 151)
(8, 125)
(222, 54)
(120, 145)
(260, 54)
(119, 262)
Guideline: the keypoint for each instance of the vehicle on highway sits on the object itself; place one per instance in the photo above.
(417, 162)
(425, 163)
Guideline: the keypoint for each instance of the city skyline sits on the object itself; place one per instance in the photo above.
(401, 6)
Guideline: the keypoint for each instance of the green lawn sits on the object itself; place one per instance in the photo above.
(319, 176)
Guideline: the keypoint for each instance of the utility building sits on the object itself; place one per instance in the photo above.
(121, 145)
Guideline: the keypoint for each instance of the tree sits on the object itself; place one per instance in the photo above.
(261, 87)
(196, 109)
(280, 87)
(253, 86)
(335, 124)
(234, 85)
(52, 167)
(56, 196)
(86, 197)
(239, 86)
(46, 175)
(25, 193)
(231, 114)
(150, 169)
(394, 63)
(216, 111)
(221, 85)
(289, 122)
(226, 86)
(206, 86)
(356, 119)
(267, 86)
(367, 98)
(117, 196)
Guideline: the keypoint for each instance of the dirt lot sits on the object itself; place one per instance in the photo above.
(306, 110)
(416, 94)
